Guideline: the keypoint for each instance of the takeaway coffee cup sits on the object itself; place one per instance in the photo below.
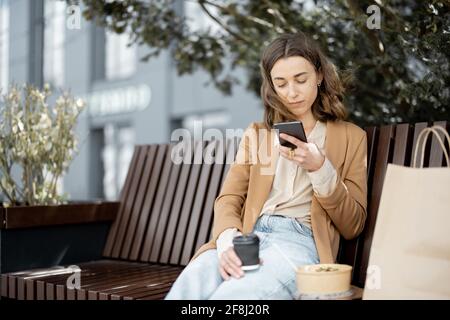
(247, 249)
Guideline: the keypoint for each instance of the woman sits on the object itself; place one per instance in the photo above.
(298, 201)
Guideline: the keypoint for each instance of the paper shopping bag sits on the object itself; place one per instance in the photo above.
(410, 252)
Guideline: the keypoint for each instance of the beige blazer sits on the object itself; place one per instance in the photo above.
(249, 181)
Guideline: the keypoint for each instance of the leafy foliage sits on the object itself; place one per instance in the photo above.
(401, 71)
(37, 138)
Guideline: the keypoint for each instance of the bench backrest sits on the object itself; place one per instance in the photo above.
(166, 209)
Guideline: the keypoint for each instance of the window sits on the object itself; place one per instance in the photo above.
(4, 45)
(116, 156)
(201, 126)
(120, 58)
(54, 38)
(208, 120)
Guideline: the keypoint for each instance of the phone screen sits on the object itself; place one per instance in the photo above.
(293, 128)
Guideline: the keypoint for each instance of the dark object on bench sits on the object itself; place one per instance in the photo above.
(166, 213)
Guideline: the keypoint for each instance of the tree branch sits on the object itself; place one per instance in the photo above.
(10, 197)
(248, 17)
(237, 36)
(277, 14)
(374, 40)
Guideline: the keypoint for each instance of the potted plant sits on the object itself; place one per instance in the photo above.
(39, 226)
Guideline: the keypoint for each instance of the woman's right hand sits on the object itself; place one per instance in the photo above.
(230, 265)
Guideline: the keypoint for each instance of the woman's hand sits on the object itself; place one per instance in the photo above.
(306, 155)
(230, 265)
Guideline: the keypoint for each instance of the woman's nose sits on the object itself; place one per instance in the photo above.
(292, 92)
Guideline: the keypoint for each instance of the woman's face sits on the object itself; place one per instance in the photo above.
(295, 80)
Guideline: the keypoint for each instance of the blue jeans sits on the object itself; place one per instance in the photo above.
(275, 278)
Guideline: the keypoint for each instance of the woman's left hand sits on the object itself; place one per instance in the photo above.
(306, 155)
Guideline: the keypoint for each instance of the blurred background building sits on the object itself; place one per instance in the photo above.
(129, 101)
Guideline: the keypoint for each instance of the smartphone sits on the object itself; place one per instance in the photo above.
(293, 128)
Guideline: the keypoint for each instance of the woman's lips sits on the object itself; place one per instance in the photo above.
(297, 102)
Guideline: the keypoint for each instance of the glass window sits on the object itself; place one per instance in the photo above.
(116, 156)
(198, 125)
(4, 45)
(126, 138)
(54, 37)
(120, 58)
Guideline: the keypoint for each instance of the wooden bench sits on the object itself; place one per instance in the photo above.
(166, 214)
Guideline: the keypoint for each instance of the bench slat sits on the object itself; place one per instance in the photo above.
(71, 294)
(213, 191)
(130, 202)
(157, 207)
(164, 215)
(12, 286)
(417, 129)
(372, 141)
(176, 211)
(123, 195)
(197, 209)
(40, 290)
(20, 289)
(437, 158)
(184, 223)
(4, 280)
(138, 203)
(30, 290)
(149, 202)
(403, 144)
(230, 154)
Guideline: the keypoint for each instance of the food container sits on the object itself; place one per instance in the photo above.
(322, 279)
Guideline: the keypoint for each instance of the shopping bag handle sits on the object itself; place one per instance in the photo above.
(424, 134)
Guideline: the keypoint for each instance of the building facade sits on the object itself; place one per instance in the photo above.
(129, 101)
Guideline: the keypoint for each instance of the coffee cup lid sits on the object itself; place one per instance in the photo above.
(249, 238)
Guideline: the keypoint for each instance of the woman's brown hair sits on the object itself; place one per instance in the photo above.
(328, 104)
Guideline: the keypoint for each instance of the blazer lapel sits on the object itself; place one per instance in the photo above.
(263, 174)
(335, 144)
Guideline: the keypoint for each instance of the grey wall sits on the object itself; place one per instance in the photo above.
(77, 78)
(19, 39)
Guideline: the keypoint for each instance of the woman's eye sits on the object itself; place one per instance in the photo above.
(284, 84)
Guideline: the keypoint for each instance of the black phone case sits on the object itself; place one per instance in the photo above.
(294, 128)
